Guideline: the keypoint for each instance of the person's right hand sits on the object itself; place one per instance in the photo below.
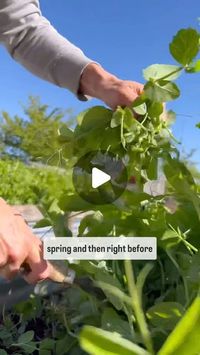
(18, 245)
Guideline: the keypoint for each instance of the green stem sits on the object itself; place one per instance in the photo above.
(137, 306)
(171, 135)
(170, 74)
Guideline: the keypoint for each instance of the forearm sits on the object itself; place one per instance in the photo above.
(95, 80)
(32, 41)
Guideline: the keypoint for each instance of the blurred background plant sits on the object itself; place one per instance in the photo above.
(31, 166)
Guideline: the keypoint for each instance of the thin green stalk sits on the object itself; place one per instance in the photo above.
(170, 74)
(137, 306)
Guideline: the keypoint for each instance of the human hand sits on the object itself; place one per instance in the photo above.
(18, 245)
(96, 82)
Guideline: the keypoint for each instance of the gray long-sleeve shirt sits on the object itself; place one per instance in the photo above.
(34, 42)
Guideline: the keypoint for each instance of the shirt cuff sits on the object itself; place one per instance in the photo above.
(67, 71)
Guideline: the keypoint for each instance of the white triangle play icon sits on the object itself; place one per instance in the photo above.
(99, 178)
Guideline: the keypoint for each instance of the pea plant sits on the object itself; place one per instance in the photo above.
(141, 307)
(144, 307)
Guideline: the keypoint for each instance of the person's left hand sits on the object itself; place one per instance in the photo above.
(97, 82)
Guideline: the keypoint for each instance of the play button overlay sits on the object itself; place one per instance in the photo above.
(100, 177)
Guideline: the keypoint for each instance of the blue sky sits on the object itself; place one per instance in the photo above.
(125, 36)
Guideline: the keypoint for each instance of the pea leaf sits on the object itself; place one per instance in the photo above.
(155, 109)
(161, 91)
(64, 345)
(29, 348)
(43, 223)
(141, 109)
(95, 117)
(158, 71)
(165, 315)
(112, 322)
(47, 344)
(185, 46)
(117, 118)
(74, 203)
(108, 279)
(65, 134)
(97, 342)
(184, 339)
(26, 337)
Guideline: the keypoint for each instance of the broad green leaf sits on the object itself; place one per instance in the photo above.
(141, 109)
(43, 223)
(95, 117)
(59, 226)
(184, 339)
(110, 138)
(85, 267)
(161, 91)
(190, 268)
(94, 224)
(185, 46)
(47, 344)
(3, 352)
(100, 342)
(165, 315)
(160, 71)
(169, 239)
(117, 118)
(115, 295)
(155, 109)
(106, 278)
(87, 135)
(81, 115)
(64, 345)
(26, 337)
(4, 334)
(182, 181)
(129, 120)
(113, 322)
(29, 348)
(74, 203)
(65, 134)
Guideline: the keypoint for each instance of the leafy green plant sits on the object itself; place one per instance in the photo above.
(35, 136)
(22, 184)
(149, 299)
(136, 307)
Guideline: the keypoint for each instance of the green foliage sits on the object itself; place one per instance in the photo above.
(14, 340)
(97, 341)
(24, 184)
(136, 307)
(148, 305)
(158, 71)
(36, 136)
(185, 337)
(185, 46)
(165, 314)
